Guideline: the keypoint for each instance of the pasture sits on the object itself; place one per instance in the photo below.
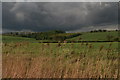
(96, 36)
(55, 37)
(24, 57)
(60, 60)
(7, 39)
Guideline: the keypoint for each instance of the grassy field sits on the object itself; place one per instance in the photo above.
(60, 60)
(26, 58)
(95, 36)
(85, 36)
(7, 39)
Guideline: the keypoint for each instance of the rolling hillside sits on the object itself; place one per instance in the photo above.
(85, 36)
(16, 39)
(97, 36)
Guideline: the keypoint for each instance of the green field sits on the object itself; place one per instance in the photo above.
(85, 36)
(96, 36)
(61, 49)
(16, 39)
(23, 57)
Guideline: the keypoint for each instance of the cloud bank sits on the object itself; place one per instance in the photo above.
(68, 16)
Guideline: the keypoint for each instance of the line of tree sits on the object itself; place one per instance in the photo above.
(98, 30)
(50, 35)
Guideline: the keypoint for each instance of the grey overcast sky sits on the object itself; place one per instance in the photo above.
(68, 16)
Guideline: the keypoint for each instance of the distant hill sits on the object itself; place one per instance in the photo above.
(55, 36)
(97, 36)
(16, 39)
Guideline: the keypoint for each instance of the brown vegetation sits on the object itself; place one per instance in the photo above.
(69, 64)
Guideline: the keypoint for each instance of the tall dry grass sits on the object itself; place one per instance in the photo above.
(61, 65)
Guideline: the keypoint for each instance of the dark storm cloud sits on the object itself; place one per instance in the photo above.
(64, 16)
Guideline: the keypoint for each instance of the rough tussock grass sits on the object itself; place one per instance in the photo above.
(59, 60)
